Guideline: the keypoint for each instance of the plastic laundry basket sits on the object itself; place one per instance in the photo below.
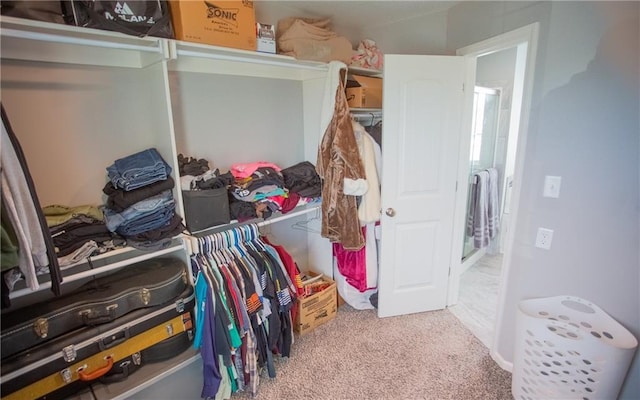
(568, 348)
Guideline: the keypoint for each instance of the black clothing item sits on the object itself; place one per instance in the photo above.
(286, 339)
(220, 181)
(373, 299)
(303, 179)
(118, 199)
(54, 267)
(71, 223)
(376, 132)
(264, 176)
(4, 289)
(191, 166)
(241, 210)
(75, 235)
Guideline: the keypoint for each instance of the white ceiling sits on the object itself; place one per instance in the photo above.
(358, 15)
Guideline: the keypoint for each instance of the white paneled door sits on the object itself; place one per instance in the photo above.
(423, 112)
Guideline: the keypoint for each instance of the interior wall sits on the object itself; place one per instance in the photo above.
(583, 127)
(422, 33)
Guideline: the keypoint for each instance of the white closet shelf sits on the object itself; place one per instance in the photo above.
(102, 263)
(146, 376)
(376, 73)
(195, 57)
(275, 218)
(365, 111)
(28, 40)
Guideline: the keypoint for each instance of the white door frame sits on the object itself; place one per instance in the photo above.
(526, 41)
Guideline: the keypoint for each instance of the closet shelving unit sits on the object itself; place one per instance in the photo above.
(80, 98)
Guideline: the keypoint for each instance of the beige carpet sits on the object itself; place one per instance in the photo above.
(360, 356)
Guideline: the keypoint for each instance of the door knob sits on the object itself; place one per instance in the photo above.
(390, 212)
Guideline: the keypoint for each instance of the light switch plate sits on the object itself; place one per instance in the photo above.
(552, 186)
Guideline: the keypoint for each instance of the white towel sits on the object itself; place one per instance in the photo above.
(493, 205)
(478, 221)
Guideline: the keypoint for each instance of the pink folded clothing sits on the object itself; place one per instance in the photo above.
(368, 55)
(244, 170)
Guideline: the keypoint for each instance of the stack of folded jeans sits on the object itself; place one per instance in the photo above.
(140, 204)
(139, 169)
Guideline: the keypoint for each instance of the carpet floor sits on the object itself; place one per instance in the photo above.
(360, 356)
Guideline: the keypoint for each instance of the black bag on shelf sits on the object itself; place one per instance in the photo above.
(206, 208)
(138, 18)
(49, 11)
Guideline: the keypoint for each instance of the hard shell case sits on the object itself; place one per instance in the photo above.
(141, 285)
(34, 365)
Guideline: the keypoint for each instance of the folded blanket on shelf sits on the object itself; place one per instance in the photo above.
(311, 39)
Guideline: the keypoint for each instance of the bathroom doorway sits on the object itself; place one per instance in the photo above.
(498, 97)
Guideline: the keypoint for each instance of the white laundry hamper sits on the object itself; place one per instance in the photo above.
(568, 348)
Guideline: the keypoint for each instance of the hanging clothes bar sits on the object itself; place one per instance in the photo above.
(245, 298)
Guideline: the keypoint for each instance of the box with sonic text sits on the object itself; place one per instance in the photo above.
(219, 23)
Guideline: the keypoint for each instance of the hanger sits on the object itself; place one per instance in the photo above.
(303, 225)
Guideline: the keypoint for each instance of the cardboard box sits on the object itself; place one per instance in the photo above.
(316, 309)
(220, 23)
(265, 38)
(364, 92)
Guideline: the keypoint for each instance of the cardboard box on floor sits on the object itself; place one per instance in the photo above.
(364, 92)
(318, 308)
(219, 23)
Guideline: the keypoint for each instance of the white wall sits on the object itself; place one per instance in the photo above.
(398, 27)
(584, 127)
(420, 35)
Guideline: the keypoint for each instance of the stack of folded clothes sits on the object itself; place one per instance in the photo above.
(140, 204)
(79, 232)
(261, 188)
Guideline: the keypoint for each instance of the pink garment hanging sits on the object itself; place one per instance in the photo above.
(352, 264)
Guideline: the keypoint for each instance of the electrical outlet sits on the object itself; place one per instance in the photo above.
(544, 238)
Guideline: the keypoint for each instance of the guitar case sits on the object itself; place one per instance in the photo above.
(142, 285)
(52, 364)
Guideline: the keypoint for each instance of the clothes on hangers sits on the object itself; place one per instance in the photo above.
(343, 173)
(375, 130)
(369, 207)
(243, 286)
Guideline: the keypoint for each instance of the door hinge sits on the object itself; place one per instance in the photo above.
(456, 186)
(463, 87)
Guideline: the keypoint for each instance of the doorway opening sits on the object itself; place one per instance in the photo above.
(504, 71)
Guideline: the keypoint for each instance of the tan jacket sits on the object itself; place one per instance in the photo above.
(339, 159)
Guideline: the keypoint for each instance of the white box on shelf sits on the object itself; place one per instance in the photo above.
(265, 38)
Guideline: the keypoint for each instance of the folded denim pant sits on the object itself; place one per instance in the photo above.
(147, 206)
(139, 169)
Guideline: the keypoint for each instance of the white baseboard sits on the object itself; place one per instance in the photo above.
(502, 363)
